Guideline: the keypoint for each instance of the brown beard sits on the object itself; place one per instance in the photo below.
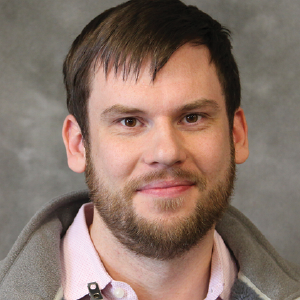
(156, 239)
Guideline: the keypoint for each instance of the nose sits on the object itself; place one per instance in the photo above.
(164, 146)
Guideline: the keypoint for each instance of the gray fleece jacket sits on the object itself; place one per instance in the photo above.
(31, 271)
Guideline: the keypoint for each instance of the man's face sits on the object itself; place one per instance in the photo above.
(160, 162)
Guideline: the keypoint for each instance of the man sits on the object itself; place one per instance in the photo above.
(155, 123)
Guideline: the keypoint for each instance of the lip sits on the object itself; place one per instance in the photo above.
(166, 188)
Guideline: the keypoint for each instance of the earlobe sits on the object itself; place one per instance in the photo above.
(240, 136)
(73, 141)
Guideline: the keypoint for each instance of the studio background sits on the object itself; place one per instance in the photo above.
(34, 39)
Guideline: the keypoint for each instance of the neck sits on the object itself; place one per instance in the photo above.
(186, 277)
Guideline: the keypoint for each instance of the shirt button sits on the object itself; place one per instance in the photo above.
(119, 293)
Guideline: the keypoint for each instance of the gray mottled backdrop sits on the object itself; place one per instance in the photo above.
(34, 38)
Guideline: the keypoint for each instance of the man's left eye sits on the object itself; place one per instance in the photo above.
(192, 118)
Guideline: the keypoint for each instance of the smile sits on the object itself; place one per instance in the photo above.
(166, 188)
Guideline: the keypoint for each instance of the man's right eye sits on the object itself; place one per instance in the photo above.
(129, 122)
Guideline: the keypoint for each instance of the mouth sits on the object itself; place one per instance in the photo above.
(166, 188)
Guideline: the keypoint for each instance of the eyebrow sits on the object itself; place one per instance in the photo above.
(201, 103)
(122, 109)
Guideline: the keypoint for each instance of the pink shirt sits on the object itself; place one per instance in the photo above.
(82, 265)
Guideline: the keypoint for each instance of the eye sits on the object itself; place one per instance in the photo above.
(192, 118)
(129, 122)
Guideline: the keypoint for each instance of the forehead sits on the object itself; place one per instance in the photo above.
(189, 75)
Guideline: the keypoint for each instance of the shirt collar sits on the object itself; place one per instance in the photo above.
(76, 247)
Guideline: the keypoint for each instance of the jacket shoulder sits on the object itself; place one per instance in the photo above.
(260, 266)
(31, 269)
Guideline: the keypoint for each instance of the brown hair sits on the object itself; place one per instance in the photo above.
(124, 36)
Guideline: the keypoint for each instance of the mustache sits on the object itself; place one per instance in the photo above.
(173, 173)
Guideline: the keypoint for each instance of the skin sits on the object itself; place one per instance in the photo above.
(180, 120)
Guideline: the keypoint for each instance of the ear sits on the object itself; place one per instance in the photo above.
(240, 136)
(73, 141)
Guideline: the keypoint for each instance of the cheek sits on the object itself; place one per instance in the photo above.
(112, 159)
(213, 154)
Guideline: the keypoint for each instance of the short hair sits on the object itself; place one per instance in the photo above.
(124, 36)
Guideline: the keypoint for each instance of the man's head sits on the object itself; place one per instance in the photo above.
(124, 37)
(163, 134)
